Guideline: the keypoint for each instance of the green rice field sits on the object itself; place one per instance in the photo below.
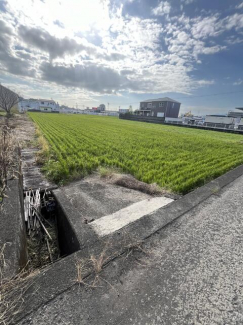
(176, 158)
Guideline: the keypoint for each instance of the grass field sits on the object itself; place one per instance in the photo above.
(178, 159)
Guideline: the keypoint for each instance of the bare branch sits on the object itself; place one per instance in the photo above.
(8, 99)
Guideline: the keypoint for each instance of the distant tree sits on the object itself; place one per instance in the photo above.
(8, 99)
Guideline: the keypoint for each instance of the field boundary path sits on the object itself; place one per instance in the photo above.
(33, 178)
(186, 266)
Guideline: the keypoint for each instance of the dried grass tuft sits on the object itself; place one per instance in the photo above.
(99, 261)
(93, 264)
(44, 147)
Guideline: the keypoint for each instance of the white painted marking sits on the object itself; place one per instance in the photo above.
(108, 224)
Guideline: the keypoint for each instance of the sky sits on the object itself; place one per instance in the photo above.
(87, 52)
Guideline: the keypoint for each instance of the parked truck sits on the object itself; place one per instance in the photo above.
(220, 122)
(219, 119)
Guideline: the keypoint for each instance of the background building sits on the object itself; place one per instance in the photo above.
(101, 107)
(38, 105)
(161, 107)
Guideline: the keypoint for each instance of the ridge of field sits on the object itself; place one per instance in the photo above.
(177, 159)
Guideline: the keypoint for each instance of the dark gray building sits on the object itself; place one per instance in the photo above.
(161, 107)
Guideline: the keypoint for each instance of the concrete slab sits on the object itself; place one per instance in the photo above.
(93, 198)
(81, 205)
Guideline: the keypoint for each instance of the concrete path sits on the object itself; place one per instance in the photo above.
(190, 272)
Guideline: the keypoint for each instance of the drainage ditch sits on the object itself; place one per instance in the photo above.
(40, 209)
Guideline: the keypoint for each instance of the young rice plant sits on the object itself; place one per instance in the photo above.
(178, 159)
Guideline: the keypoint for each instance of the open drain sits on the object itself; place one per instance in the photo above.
(41, 227)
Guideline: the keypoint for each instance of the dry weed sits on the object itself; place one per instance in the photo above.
(81, 269)
(8, 168)
(95, 265)
(12, 291)
(106, 172)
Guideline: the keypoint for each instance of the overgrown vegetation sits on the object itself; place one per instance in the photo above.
(177, 159)
(7, 157)
(12, 290)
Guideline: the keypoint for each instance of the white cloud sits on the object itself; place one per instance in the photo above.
(234, 21)
(234, 40)
(206, 82)
(212, 26)
(240, 6)
(212, 49)
(162, 9)
(239, 82)
(187, 2)
(205, 27)
(128, 54)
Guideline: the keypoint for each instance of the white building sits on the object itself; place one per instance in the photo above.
(28, 104)
(48, 106)
(38, 105)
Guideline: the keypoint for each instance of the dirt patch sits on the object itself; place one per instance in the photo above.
(24, 129)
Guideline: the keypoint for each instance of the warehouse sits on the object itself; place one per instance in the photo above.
(161, 107)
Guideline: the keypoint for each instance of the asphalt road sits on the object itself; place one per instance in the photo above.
(190, 272)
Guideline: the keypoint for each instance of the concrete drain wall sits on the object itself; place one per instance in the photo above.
(68, 242)
(12, 229)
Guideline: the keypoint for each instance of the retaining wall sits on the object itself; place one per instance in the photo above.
(12, 227)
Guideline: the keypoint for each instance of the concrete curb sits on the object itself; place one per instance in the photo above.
(12, 229)
(62, 275)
